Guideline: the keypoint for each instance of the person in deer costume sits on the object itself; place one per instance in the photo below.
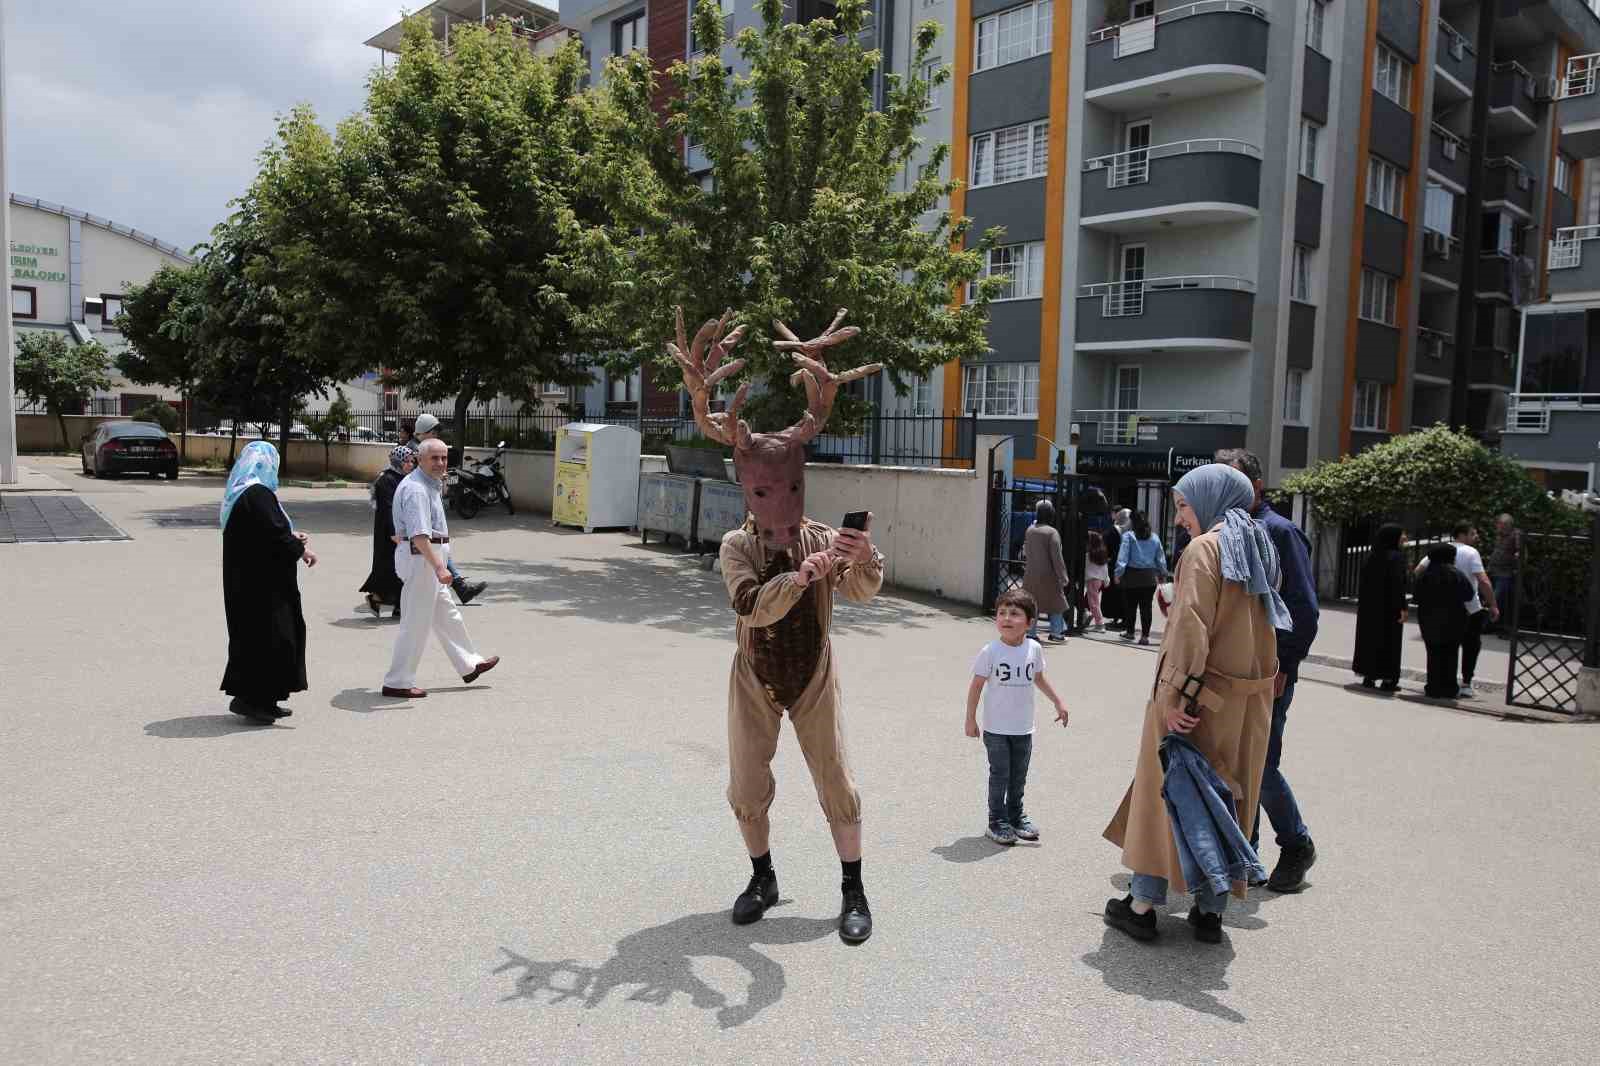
(782, 571)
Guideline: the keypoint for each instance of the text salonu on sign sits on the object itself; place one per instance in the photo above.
(25, 262)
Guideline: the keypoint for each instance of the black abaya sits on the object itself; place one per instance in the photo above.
(261, 594)
(1379, 631)
(383, 582)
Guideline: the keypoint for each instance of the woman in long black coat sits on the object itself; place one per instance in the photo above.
(383, 584)
(266, 629)
(1381, 611)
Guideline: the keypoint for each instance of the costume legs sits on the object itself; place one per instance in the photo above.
(426, 607)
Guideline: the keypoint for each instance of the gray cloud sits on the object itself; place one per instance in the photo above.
(152, 113)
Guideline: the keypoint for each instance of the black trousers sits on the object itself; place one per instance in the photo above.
(1471, 645)
(1442, 660)
(1139, 602)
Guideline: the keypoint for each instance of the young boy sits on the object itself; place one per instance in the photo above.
(1012, 667)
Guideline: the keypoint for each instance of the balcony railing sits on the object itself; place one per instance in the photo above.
(1118, 426)
(1453, 145)
(1529, 412)
(1173, 14)
(1582, 76)
(1457, 44)
(1122, 299)
(1133, 166)
(1433, 343)
(1525, 79)
(1566, 250)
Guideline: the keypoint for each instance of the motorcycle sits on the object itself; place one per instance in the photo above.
(478, 482)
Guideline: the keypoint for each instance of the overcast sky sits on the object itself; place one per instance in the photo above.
(151, 112)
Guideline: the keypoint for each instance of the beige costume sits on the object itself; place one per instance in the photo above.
(1218, 632)
(785, 662)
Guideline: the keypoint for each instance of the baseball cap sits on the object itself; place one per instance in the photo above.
(426, 423)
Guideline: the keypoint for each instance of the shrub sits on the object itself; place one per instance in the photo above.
(161, 413)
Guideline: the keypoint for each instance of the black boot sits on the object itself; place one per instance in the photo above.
(1120, 915)
(759, 894)
(248, 710)
(1207, 927)
(467, 591)
(1293, 862)
(855, 917)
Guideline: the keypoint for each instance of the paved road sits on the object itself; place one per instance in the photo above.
(537, 868)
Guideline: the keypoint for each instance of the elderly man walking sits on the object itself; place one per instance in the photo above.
(421, 558)
(1296, 852)
(426, 427)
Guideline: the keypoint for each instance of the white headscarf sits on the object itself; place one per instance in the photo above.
(256, 465)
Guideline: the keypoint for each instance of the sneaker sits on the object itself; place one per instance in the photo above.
(1056, 640)
(467, 591)
(1293, 862)
(1001, 833)
(855, 917)
(1207, 927)
(759, 894)
(1125, 635)
(1466, 691)
(1119, 915)
(1025, 829)
(1145, 640)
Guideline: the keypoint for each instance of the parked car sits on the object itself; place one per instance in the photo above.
(129, 447)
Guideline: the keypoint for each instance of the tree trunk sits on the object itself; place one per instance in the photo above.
(183, 427)
(327, 457)
(61, 420)
(284, 424)
(464, 398)
(233, 438)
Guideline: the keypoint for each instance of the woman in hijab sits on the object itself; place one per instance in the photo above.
(1045, 571)
(383, 584)
(1213, 687)
(1381, 611)
(266, 630)
(1443, 593)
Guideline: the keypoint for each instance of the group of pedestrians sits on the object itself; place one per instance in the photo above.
(1139, 561)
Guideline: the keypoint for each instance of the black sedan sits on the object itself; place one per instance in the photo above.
(129, 448)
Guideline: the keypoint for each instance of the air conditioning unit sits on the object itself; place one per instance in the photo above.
(1450, 148)
(1436, 244)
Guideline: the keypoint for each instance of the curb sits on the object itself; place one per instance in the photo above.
(291, 483)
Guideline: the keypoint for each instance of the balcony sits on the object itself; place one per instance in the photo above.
(1186, 183)
(1454, 63)
(1436, 352)
(1188, 431)
(1507, 181)
(1494, 275)
(1441, 261)
(1574, 263)
(1491, 366)
(1536, 412)
(1513, 93)
(1447, 155)
(1182, 53)
(1189, 313)
(1578, 107)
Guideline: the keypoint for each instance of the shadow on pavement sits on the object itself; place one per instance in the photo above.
(657, 962)
(207, 725)
(312, 516)
(1174, 968)
(365, 621)
(365, 701)
(970, 849)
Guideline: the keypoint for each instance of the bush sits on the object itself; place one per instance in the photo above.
(161, 413)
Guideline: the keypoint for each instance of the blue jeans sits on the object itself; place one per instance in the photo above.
(1008, 774)
(1502, 598)
(1058, 625)
(1277, 798)
(1153, 890)
(450, 565)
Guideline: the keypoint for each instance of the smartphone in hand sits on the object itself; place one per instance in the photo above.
(856, 520)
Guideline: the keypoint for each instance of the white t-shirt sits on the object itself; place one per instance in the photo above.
(1470, 563)
(1095, 571)
(1008, 696)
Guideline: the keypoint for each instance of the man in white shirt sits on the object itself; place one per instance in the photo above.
(1481, 609)
(421, 559)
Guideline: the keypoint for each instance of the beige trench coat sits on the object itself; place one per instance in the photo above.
(1218, 631)
(1044, 574)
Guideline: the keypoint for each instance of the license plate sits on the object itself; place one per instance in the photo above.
(141, 451)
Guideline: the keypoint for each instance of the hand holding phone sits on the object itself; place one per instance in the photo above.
(852, 543)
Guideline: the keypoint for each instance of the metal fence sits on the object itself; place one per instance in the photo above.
(1553, 624)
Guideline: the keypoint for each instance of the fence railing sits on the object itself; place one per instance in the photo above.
(1132, 167)
(1173, 14)
(1580, 79)
(1456, 42)
(1566, 249)
(1121, 426)
(1121, 299)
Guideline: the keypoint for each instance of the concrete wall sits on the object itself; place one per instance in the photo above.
(41, 433)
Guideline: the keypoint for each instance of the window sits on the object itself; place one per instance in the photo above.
(1021, 33)
(1309, 133)
(1009, 155)
(1385, 187)
(1372, 406)
(1391, 76)
(1563, 174)
(1503, 233)
(1003, 390)
(922, 396)
(628, 34)
(1300, 278)
(113, 309)
(1314, 24)
(1294, 397)
(1439, 210)
(931, 101)
(24, 301)
(1127, 389)
(1379, 296)
(1024, 263)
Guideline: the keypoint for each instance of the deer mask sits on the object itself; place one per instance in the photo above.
(771, 466)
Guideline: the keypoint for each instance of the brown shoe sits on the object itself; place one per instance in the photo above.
(404, 693)
(483, 668)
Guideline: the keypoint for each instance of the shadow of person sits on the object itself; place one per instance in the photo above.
(208, 725)
(658, 962)
(969, 849)
(1176, 969)
(1241, 913)
(364, 620)
(364, 700)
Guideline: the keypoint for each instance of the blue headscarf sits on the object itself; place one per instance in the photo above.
(256, 465)
(1219, 493)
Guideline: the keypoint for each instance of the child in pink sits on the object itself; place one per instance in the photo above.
(1096, 577)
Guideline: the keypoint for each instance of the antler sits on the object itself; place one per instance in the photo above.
(703, 372)
(822, 384)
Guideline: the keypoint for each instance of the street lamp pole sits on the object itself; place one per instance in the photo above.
(8, 381)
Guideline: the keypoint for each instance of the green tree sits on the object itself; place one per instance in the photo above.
(59, 375)
(804, 215)
(432, 236)
(338, 421)
(161, 413)
(1432, 479)
(161, 321)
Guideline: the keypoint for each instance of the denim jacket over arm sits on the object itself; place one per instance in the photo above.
(1212, 848)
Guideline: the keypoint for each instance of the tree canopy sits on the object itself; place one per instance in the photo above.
(59, 375)
(161, 322)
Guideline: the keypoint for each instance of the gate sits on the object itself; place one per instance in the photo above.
(1553, 624)
(1010, 512)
